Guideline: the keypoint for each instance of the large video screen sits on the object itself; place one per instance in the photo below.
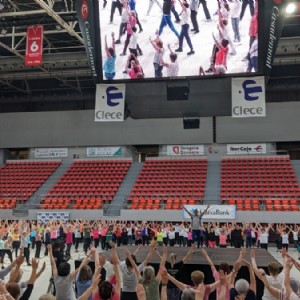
(161, 39)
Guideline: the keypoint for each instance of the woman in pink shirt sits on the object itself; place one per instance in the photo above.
(95, 234)
(103, 232)
(105, 290)
(69, 239)
(223, 239)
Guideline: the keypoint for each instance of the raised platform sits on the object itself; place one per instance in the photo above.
(158, 215)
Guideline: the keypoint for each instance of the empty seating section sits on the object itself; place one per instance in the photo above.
(20, 180)
(251, 183)
(87, 184)
(169, 184)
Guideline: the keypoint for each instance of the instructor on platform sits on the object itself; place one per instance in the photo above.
(196, 221)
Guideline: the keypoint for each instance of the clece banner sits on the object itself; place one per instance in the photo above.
(215, 212)
(103, 151)
(248, 97)
(110, 103)
(87, 13)
(185, 150)
(246, 148)
(34, 46)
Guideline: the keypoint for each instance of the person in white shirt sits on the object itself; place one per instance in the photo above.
(185, 24)
(285, 239)
(172, 67)
(295, 232)
(275, 279)
(235, 7)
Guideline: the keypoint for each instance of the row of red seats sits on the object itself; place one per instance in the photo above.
(102, 185)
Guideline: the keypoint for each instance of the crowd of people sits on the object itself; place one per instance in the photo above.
(128, 280)
(224, 28)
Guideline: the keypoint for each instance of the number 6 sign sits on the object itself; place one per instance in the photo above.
(34, 46)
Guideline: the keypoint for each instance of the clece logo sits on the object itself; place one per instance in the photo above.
(259, 148)
(277, 1)
(176, 149)
(84, 10)
(250, 91)
(112, 95)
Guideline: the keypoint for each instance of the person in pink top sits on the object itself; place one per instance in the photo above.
(130, 24)
(69, 239)
(105, 290)
(53, 234)
(223, 239)
(223, 269)
(95, 234)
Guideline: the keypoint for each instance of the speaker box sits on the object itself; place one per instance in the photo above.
(177, 93)
(191, 123)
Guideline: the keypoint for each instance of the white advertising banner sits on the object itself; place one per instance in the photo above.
(110, 103)
(51, 152)
(215, 212)
(45, 217)
(185, 150)
(246, 148)
(103, 151)
(248, 97)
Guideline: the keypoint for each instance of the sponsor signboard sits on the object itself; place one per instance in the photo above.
(51, 152)
(185, 150)
(103, 151)
(110, 103)
(45, 217)
(274, 20)
(34, 46)
(248, 97)
(215, 212)
(246, 149)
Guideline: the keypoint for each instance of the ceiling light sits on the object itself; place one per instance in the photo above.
(290, 8)
(3, 31)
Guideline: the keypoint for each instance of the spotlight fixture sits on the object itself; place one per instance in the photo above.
(3, 31)
(290, 8)
(58, 27)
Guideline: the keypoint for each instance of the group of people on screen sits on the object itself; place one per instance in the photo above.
(225, 37)
(128, 279)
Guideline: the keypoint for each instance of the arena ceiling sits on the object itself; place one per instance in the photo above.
(65, 73)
